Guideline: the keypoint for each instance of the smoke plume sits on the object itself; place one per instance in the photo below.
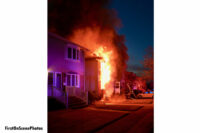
(92, 24)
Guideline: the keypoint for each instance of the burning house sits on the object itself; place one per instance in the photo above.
(92, 26)
(110, 53)
(74, 70)
(92, 74)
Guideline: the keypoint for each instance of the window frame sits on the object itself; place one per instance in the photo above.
(52, 78)
(68, 52)
(77, 53)
(76, 80)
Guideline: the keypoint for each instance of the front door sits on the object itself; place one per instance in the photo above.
(58, 80)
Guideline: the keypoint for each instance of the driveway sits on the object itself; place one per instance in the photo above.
(103, 118)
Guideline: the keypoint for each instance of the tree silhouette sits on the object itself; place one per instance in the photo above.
(148, 63)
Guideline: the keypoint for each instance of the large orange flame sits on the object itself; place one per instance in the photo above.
(102, 45)
(105, 65)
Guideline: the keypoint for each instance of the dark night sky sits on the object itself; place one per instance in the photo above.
(137, 26)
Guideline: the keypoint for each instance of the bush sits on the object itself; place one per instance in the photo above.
(93, 96)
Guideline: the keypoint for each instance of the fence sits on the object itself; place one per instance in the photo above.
(63, 94)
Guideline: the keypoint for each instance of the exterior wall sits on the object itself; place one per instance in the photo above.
(58, 62)
(92, 82)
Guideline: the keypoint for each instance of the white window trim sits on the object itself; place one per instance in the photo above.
(77, 49)
(78, 80)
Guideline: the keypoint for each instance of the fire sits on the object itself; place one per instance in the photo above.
(93, 27)
(109, 47)
(105, 65)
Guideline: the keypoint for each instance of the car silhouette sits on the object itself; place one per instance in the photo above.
(147, 94)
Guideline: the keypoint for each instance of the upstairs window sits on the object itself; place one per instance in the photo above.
(70, 53)
(73, 53)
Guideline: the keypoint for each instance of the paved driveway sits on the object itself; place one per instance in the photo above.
(110, 118)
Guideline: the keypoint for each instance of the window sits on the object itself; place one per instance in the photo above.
(73, 80)
(69, 52)
(73, 53)
(50, 79)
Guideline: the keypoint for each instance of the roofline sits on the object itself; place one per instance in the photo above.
(96, 58)
(65, 40)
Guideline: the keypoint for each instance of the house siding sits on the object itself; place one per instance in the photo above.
(92, 75)
(58, 62)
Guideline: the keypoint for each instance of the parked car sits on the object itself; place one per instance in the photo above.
(133, 94)
(147, 94)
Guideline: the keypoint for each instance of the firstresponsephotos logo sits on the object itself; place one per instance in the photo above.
(23, 128)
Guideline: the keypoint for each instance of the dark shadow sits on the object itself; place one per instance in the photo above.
(54, 104)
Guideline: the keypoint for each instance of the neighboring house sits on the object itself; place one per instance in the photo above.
(66, 68)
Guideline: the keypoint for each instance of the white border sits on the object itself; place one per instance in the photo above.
(23, 55)
(177, 66)
(23, 69)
